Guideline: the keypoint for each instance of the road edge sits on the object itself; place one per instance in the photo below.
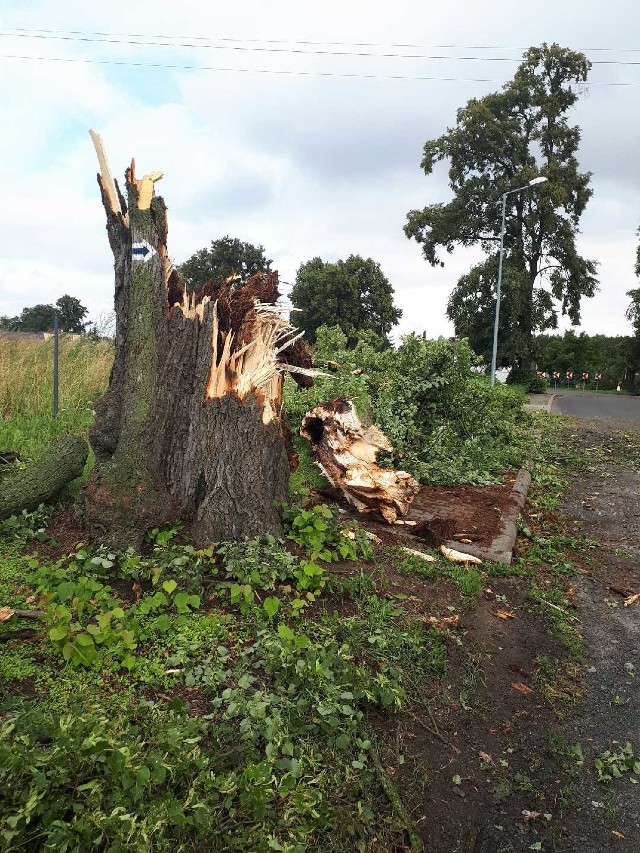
(501, 548)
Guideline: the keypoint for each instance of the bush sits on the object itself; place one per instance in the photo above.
(527, 379)
(446, 423)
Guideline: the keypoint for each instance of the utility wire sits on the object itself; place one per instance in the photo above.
(352, 75)
(307, 42)
(248, 70)
(143, 41)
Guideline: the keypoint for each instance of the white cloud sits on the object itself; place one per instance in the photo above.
(305, 165)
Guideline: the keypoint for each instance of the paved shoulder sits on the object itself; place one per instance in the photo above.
(590, 405)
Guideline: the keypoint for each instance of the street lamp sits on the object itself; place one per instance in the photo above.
(532, 183)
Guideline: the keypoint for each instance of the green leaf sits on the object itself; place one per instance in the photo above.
(84, 640)
(169, 586)
(59, 632)
(285, 632)
(271, 606)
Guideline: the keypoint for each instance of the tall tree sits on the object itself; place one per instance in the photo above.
(353, 294)
(36, 318)
(226, 256)
(71, 314)
(190, 427)
(633, 315)
(39, 318)
(501, 142)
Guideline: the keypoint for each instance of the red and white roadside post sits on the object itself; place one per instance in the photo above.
(569, 377)
(585, 376)
(598, 378)
(556, 376)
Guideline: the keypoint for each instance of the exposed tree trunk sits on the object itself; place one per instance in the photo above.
(44, 479)
(346, 451)
(190, 427)
(629, 380)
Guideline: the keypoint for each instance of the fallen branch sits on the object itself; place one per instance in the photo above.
(24, 634)
(392, 794)
(43, 480)
(346, 451)
(7, 612)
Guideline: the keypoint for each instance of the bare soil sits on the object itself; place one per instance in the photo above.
(492, 767)
(484, 762)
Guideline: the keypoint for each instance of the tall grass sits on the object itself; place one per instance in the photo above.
(26, 390)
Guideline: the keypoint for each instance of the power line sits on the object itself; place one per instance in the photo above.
(308, 42)
(143, 41)
(283, 72)
(247, 70)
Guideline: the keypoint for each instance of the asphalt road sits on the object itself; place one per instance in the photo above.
(585, 404)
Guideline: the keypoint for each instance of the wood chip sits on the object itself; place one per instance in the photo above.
(426, 557)
(445, 621)
(6, 613)
(521, 688)
(505, 614)
(458, 556)
(632, 599)
(372, 536)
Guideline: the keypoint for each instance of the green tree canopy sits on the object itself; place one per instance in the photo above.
(39, 318)
(591, 353)
(353, 294)
(225, 256)
(71, 314)
(500, 143)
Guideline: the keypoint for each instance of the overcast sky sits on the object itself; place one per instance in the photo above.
(306, 164)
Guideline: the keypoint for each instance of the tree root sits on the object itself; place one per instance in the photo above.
(393, 795)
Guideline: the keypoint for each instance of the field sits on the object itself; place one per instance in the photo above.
(26, 389)
(315, 693)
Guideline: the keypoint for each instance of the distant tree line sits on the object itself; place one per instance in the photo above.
(39, 318)
(353, 294)
(616, 358)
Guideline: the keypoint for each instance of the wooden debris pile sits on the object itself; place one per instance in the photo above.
(346, 452)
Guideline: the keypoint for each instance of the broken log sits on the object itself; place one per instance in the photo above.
(43, 480)
(190, 428)
(346, 451)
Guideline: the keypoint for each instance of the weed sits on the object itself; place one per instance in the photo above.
(613, 765)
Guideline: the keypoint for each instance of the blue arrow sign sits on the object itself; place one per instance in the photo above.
(142, 251)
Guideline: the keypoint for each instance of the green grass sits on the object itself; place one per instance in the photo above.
(26, 390)
(219, 720)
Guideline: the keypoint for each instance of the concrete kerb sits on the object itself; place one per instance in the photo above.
(501, 548)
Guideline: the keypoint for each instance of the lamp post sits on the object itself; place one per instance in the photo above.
(494, 352)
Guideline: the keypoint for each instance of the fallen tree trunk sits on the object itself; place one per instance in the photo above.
(190, 427)
(40, 482)
(346, 451)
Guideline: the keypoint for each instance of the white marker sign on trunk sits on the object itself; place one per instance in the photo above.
(142, 251)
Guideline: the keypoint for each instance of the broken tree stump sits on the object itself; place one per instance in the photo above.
(43, 480)
(190, 428)
(346, 451)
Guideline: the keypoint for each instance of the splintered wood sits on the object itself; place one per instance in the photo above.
(253, 367)
(346, 452)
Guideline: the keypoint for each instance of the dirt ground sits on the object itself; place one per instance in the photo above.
(467, 513)
(497, 768)
(488, 761)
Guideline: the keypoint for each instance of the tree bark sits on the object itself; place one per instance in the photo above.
(628, 382)
(44, 479)
(346, 451)
(190, 428)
